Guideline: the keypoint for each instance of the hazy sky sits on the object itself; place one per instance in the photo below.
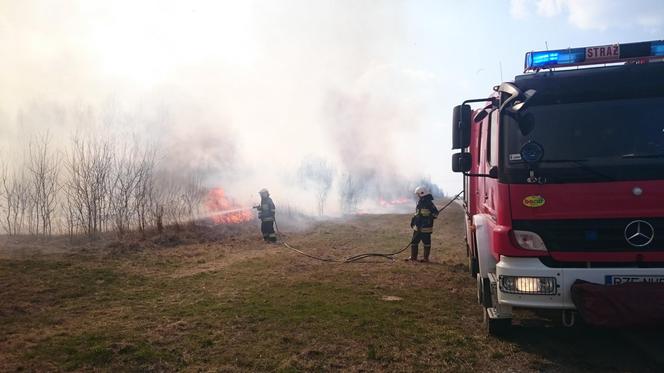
(241, 87)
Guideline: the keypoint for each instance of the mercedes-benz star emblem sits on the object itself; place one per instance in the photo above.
(639, 233)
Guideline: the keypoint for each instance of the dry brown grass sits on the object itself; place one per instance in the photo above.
(221, 299)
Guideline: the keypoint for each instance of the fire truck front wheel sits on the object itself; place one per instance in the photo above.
(473, 266)
(484, 291)
(473, 261)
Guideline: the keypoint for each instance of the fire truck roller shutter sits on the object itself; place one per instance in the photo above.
(487, 262)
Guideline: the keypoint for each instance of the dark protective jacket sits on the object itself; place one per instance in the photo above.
(425, 213)
(266, 209)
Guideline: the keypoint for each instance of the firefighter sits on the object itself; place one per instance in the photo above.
(266, 212)
(422, 223)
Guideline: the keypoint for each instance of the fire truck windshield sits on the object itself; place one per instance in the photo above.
(588, 141)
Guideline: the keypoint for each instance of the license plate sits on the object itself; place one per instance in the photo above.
(624, 279)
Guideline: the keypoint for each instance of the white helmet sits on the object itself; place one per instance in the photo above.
(422, 191)
(264, 192)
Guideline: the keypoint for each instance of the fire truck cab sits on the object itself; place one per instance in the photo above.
(564, 178)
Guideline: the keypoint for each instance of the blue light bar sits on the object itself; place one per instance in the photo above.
(630, 52)
(548, 59)
(657, 48)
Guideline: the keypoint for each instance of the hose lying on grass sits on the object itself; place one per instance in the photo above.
(357, 257)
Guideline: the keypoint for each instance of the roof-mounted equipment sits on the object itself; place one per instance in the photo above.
(614, 53)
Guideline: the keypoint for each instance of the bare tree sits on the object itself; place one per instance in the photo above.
(193, 194)
(165, 202)
(350, 191)
(156, 206)
(143, 193)
(88, 183)
(124, 181)
(97, 185)
(43, 169)
(316, 174)
(69, 215)
(15, 200)
(174, 206)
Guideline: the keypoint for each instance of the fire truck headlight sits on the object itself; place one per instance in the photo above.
(528, 285)
(529, 240)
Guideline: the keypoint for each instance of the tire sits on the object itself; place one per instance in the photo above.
(473, 266)
(473, 260)
(484, 292)
(496, 327)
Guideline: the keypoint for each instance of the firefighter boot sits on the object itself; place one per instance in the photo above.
(427, 250)
(413, 253)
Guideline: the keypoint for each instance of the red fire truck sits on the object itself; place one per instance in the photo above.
(564, 178)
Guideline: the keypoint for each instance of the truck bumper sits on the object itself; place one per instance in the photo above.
(565, 277)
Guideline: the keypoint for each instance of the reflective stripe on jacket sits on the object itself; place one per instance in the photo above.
(425, 213)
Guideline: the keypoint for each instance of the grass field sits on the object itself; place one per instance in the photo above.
(228, 302)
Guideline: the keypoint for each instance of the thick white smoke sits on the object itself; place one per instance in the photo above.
(244, 93)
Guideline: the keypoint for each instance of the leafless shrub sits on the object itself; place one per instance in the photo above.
(43, 170)
(126, 173)
(317, 174)
(88, 183)
(143, 193)
(350, 192)
(15, 200)
(96, 185)
(193, 193)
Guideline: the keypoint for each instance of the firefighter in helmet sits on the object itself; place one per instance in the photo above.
(422, 223)
(266, 212)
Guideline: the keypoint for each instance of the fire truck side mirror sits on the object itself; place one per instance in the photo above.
(461, 127)
(461, 162)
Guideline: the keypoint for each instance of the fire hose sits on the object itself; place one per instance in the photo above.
(358, 257)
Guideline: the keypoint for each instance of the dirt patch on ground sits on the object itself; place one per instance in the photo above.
(217, 257)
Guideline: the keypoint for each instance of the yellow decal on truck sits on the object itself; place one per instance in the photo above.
(534, 201)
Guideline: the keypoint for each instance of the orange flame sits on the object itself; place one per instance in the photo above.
(222, 210)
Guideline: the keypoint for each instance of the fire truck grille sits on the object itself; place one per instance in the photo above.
(606, 235)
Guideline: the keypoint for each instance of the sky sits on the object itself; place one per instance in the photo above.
(247, 90)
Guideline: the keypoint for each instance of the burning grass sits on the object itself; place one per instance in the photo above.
(236, 304)
(221, 209)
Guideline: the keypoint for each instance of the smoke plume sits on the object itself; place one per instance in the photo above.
(241, 94)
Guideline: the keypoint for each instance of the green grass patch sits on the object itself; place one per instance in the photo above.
(101, 350)
(239, 308)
